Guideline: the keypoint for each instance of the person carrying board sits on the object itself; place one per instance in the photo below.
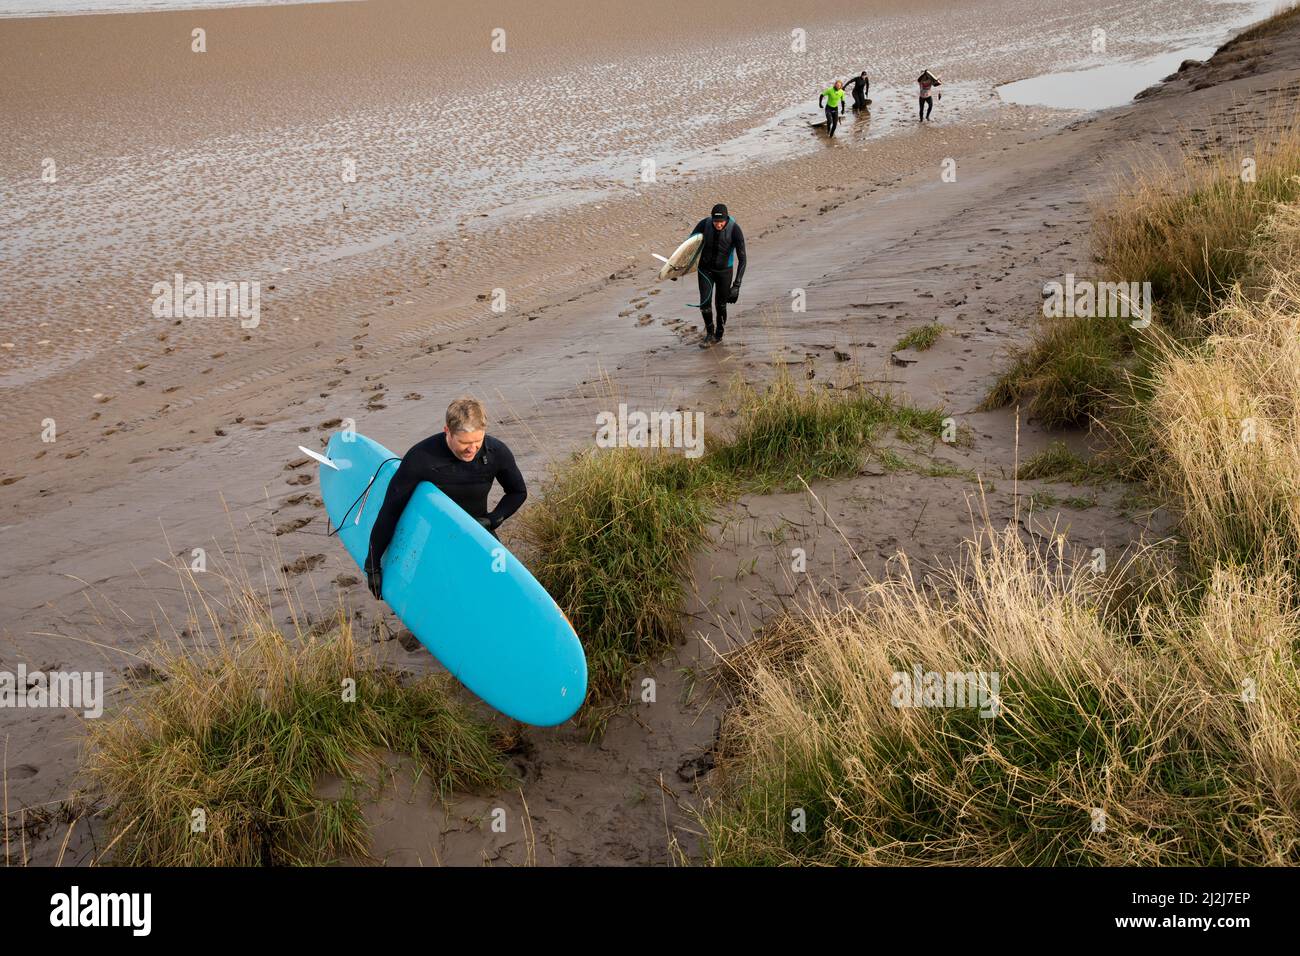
(861, 90)
(833, 97)
(723, 246)
(927, 81)
(461, 461)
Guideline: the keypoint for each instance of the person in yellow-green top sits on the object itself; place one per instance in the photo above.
(834, 101)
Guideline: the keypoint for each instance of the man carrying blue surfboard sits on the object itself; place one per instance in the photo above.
(723, 247)
(462, 462)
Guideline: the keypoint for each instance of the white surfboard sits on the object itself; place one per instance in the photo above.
(684, 260)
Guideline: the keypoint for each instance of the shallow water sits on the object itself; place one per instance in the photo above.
(1115, 79)
(1100, 87)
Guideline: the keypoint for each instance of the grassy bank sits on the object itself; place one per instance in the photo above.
(1225, 420)
(217, 762)
(1160, 738)
(614, 533)
(1191, 228)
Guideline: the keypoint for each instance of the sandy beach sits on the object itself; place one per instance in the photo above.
(522, 171)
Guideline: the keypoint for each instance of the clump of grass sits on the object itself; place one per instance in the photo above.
(238, 739)
(921, 338)
(614, 533)
(1066, 373)
(1058, 462)
(785, 431)
(1135, 721)
(612, 539)
(1186, 227)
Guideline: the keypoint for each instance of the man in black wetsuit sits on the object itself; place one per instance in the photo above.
(462, 463)
(724, 243)
(861, 90)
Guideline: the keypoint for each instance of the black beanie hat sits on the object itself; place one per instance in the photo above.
(720, 211)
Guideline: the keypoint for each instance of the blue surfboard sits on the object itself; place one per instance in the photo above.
(460, 591)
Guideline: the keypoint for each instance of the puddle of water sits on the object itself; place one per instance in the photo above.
(1101, 87)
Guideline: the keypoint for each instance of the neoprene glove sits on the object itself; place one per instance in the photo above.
(735, 293)
(375, 580)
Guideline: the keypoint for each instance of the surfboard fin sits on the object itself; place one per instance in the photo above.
(659, 257)
(319, 457)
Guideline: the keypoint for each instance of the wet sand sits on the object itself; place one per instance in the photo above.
(197, 453)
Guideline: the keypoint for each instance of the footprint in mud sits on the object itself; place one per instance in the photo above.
(24, 771)
(294, 525)
(646, 319)
(10, 480)
(296, 463)
(143, 673)
(308, 562)
(299, 480)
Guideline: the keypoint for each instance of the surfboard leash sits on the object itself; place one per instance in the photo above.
(359, 498)
(708, 296)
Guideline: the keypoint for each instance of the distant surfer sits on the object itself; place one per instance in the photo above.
(723, 245)
(927, 81)
(462, 462)
(861, 90)
(834, 101)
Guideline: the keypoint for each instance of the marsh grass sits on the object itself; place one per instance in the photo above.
(1226, 419)
(615, 531)
(921, 338)
(1132, 719)
(1064, 376)
(785, 431)
(215, 760)
(1189, 227)
(1058, 462)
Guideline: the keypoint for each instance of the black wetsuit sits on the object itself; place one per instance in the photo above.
(465, 482)
(861, 85)
(720, 247)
